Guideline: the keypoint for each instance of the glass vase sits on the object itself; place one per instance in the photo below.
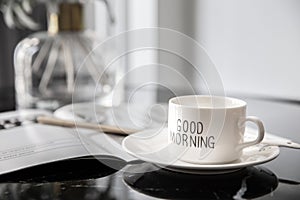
(51, 65)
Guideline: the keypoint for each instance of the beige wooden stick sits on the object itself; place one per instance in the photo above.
(100, 127)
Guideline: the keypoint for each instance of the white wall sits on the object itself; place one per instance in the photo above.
(140, 71)
(177, 15)
(254, 43)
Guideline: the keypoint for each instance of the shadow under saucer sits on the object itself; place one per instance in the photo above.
(249, 182)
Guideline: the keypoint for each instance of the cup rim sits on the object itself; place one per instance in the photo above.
(239, 103)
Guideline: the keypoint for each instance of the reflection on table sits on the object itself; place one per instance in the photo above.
(250, 182)
(68, 179)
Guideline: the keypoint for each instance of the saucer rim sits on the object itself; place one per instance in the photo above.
(179, 167)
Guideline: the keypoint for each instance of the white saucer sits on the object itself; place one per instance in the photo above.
(151, 146)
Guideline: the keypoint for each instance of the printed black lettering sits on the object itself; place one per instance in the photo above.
(204, 142)
(172, 136)
(178, 124)
(193, 127)
(211, 143)
(199, 127)
(189, 140)
(178, 138)
(184, 140)
(185, 126)
(193, 140)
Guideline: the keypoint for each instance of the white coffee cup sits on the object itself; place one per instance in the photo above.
(209, 129)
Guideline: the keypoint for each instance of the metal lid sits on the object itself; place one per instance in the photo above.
(69, 18)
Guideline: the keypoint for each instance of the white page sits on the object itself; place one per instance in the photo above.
(35, 144)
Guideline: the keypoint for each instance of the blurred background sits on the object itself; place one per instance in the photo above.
(255, 45)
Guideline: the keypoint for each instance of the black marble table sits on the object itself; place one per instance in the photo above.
(90, 179)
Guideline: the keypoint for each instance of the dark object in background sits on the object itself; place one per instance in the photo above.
(8, 40)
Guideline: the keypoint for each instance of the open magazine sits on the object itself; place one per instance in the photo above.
(24, 143)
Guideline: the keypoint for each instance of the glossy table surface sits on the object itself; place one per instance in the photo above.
(90, 179)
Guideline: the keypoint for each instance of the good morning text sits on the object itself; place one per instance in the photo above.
(189, 134)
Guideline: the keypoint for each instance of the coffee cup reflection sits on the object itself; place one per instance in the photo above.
(250, 182)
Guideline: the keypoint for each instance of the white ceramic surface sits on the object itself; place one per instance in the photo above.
(152, 146)
(209, 129)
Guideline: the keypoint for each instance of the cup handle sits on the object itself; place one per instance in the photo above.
(260, 134)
